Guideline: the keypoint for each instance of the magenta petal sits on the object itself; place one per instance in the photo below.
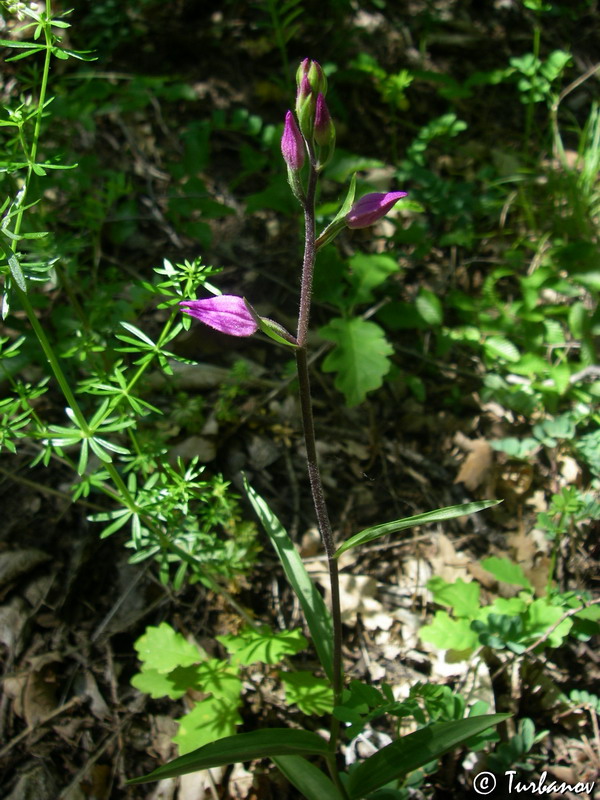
(292, 143)
(371, 208)
(226, 313)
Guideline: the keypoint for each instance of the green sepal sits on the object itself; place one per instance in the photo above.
(339, 221)
(305, 111)
(276, 332)
(293, 176)
(271, 328)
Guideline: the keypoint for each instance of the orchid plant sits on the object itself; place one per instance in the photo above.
(307, 144)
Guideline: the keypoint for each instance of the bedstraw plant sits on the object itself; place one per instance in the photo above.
(187, 521)
(307, 144)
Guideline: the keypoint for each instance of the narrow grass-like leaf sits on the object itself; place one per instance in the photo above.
(440, 514)
(14, 266)
(313, 605)
(413, 751)
(265, 743)
(307, 778)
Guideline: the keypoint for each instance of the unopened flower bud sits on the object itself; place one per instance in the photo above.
(371, 207)
(292, 144)
(314, 73)
(305, 107)
(324, 132)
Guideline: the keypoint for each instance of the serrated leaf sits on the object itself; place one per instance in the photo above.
(263, 645)
(541, 616)
(360, 357)
(219, 678)
(173, 684)
(449, 634)
(439, 515)
(312, 695)
(163, 649)
(499, 347)
(462, 597)
(264, 743)
(429, 307)
(506, 570)
(209, 721)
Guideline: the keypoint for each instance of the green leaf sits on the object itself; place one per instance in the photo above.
(337, 224)
(439, 515)
(307, 778)
(499, 347)
(360, 357)
(263, 645)
(561, 375)
(158, 684)
(314, 608)
(516, 448)
(219, 678)
(313, 696)
(264, 743)
(162, 649)
(369, 270)
(413, 751)
(542, 615)
(14, 266)
(429, 307)
(462, 597)
(210, 720)
(449, 634)
(506, 570)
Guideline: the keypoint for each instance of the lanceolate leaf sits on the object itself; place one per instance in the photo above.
(307, 778)
(413, 751)
(313, 605)
(440, 514)
(265, 743)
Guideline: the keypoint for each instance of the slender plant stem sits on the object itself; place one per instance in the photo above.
(314, 474)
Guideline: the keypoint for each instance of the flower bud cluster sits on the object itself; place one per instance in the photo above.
(311, 126)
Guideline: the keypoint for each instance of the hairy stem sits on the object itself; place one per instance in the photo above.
(314, 474)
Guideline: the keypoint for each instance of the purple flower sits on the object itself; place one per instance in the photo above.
(292, 143)
(226, 313)
(371, 207)
(324, 132)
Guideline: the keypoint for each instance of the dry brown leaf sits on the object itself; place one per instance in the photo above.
(515, 479)
(35, 780)
(163, 730)
(39, 698)
(446, 562)
(97, 704)
(475, 470)
(15, 563)
(13, 618)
